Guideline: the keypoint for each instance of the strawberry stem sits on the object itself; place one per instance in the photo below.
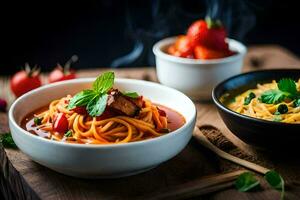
(213, 23)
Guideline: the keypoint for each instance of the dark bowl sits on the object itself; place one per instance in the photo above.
(257, 132)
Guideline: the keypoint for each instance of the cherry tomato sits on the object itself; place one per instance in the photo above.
(25, 80)
(63, 73)
(58, 74)
(60, 123)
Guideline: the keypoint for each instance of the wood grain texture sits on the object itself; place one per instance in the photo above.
(196, 188)
(21, 178)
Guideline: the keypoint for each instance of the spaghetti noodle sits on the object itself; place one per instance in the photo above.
(250, 103)
(102, 115)
(82, 128)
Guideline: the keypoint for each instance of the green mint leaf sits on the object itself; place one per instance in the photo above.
(287, 85)
(286, 89)
(37, 121)
(131, 94)
(275, 181)
(273, 96)
(249, 98)
(95, 100)
(69, 133)
(7, 141)
(81, 99)
(104, 82)
(246, 181)
(97, 105)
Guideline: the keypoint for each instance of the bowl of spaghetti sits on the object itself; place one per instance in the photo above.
(102, 128)
(262, 108)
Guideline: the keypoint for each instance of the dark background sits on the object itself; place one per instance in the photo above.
(120, 33)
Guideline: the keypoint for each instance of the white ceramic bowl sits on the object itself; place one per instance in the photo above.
(194, 77)
(101, 161)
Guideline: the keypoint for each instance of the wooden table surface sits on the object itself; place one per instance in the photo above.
(22, 178)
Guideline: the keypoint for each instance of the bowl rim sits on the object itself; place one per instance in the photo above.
(240, 48)
(220, 105)
(106, 146)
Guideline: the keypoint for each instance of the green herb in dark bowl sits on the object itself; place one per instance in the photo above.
(296, 103)
(286, 90)
(249, 98)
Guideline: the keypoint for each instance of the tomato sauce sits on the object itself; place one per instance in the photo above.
(175, 119)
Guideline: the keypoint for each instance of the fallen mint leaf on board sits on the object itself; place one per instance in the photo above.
(7, 141)
(246, 182)
(275, 181)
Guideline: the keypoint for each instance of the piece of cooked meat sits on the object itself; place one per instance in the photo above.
(138, 101)
(120, 103)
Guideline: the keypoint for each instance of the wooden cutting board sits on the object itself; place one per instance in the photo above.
(22, 178)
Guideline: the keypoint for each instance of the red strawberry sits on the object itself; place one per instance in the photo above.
(202, 52)
(208, 33)
(217, 35)
(171, 50)
(182, 47)
(197, 33)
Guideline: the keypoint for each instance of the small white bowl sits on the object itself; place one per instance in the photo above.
(101, 161)
(194, 77)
